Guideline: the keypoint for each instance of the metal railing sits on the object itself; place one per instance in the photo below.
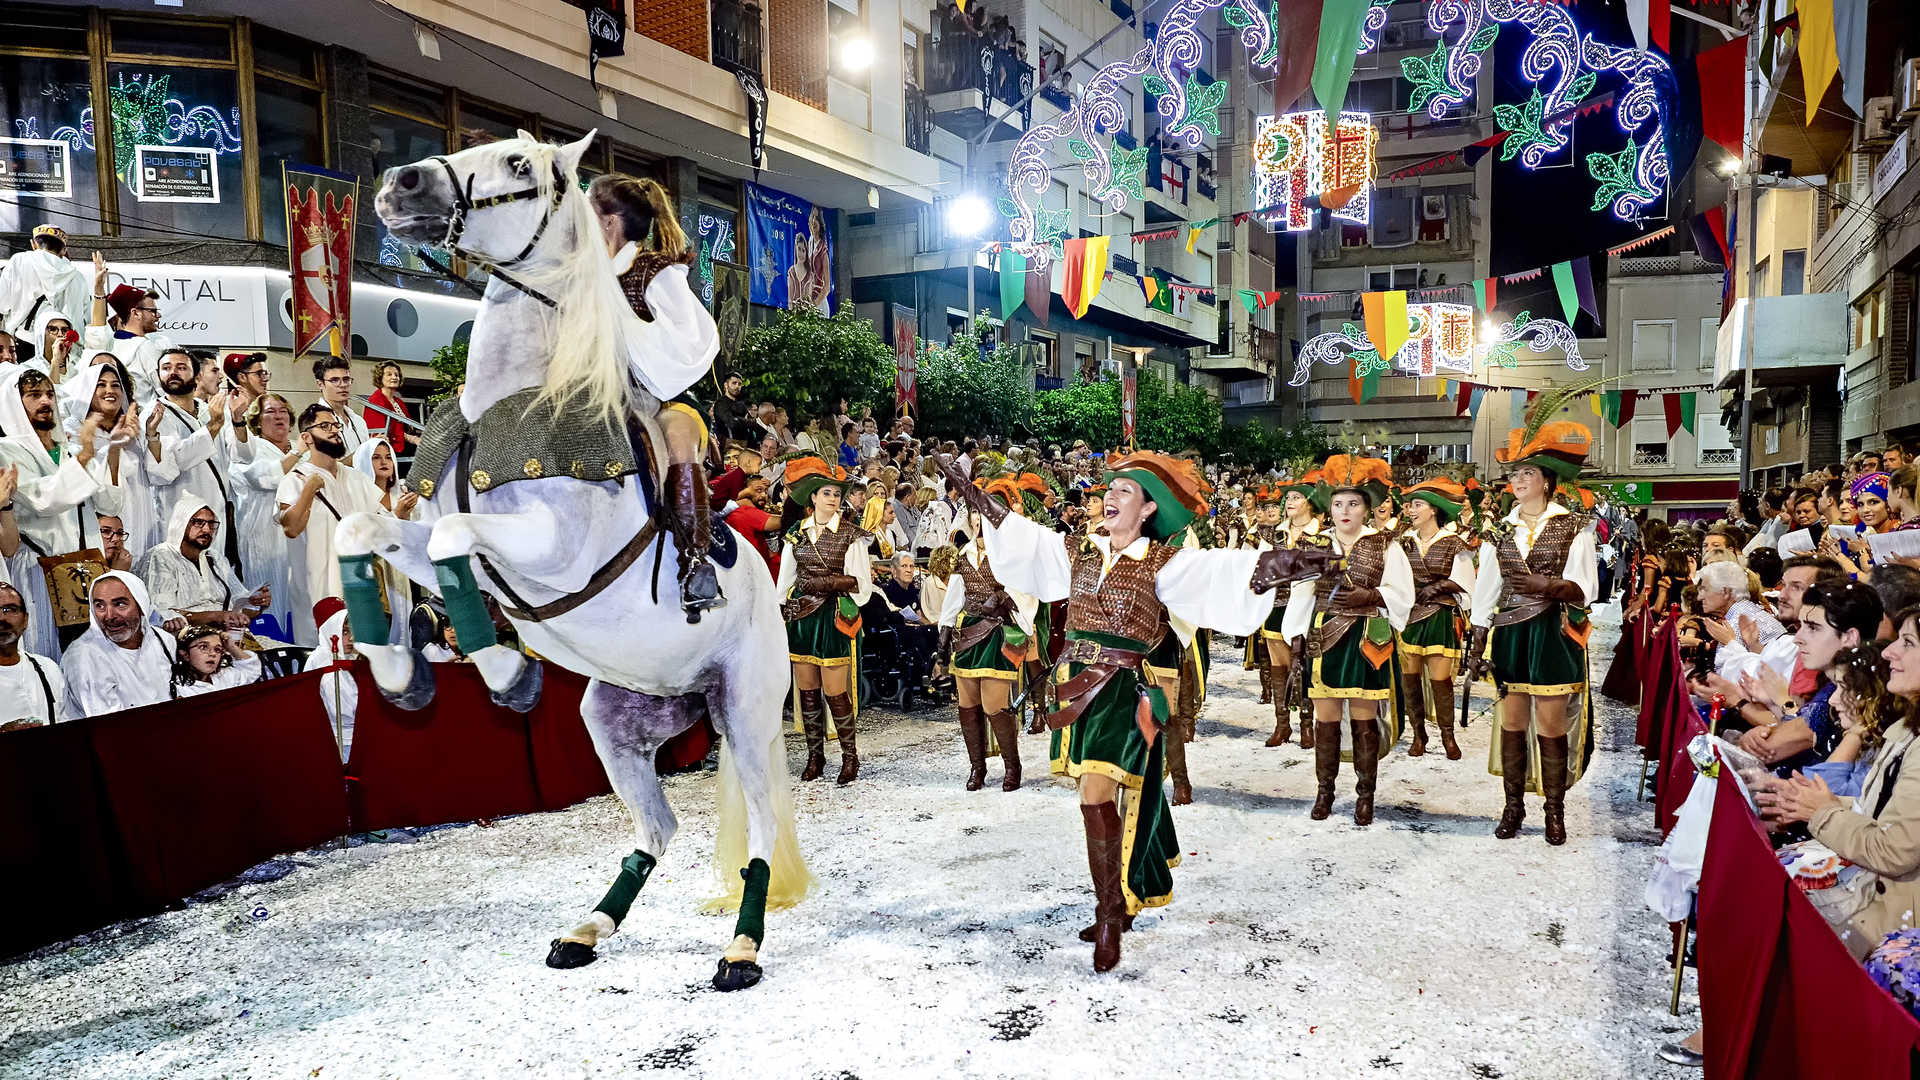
(736, 35)
(918, 120)
(963, 58)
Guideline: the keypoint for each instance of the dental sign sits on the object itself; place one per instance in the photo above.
(211, 306)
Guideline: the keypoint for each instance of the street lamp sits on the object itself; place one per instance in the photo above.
(856, 53)
(968, 215)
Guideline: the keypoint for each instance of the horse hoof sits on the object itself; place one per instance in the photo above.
(736, 975)
(419, 692)
(525, 691)
(569, 954)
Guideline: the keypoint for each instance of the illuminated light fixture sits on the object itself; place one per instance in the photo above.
(1727, 166)
(856, 53)
(1294, 160)
(968, 215)
(1441, 339)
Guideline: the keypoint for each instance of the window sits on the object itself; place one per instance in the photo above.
(1048, 362)
(177, 150)
(1709, 342)
(1757, 282)
(196, 40)
(45, 104)
(1651, 444)
(1866, 320)
(408, 122)
(850, 49)
(1793, 272)
(481, 123)
(1653, 345)
(1714, 443)
(292, 131)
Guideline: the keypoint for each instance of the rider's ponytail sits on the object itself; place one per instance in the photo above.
(645, 211)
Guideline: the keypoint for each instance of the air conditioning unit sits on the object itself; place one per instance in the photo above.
(1910, 90)
(1880, 128)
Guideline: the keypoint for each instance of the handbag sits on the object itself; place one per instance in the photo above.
(69, 577)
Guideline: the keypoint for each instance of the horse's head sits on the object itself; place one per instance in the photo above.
(499, 202)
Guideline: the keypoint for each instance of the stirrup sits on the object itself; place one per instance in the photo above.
(700, 590)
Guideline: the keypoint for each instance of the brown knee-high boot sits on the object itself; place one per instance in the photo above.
(1037, 696)
(692, 520)
(813, 720)
(973, 730)
(1553, 785)
(1326, 767)
(1308, 725)
(1443, 706)
(1266, 683)
(1513, 778)
(1414, 697)
(1103, 862)
(1006, 728)
(842, 706)
(1282, 716)
(1175, 737)
(1366, 766)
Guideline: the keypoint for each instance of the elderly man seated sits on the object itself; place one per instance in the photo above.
(120, 662)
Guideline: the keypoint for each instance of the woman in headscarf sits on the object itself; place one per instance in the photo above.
(264, 550)
(986, 636)
(825, 575)
(1869, 496)
(208, 660)
(374, 459)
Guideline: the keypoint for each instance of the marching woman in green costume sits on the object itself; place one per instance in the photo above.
(824, 578)
(986, 635)
(1121, 583)
(1301, 507)
(1442, 575)
(1538, 572)
(1345, 626)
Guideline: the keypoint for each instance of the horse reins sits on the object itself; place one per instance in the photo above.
(464, 203)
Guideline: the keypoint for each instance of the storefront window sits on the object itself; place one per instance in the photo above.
(46, 145)
(481, 124)
(176, 151)
(289, 121)
(397, 141)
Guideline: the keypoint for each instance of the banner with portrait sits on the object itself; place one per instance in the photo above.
(729, 309)
(906, 352)
(789, 250)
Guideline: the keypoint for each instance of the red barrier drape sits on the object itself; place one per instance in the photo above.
(59, 851)
(1622, 683)
(204, 788)
(1780, 997)
(1663, 651)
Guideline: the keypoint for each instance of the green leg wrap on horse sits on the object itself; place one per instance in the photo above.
(634, 870)
(465, 608)
(365, 613)
(752, 920)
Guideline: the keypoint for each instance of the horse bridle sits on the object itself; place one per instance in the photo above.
(464, 204)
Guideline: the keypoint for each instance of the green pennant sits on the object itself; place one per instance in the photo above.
(1334, 53)
(1480, 294)
(1569, 296)
(1163, 295)
(1610, 408)
(1689, 404)
(1013, 282)
(1248, 299)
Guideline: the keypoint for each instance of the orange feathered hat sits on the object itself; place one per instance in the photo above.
(1559, 447)
(1174, 484)
(1371, 477)
(807, 474)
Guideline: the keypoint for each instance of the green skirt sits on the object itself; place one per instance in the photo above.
(1537, 656)
(988, 658)
(1343, 671)
(1435, 635)
(1105, 741)
(816, 640)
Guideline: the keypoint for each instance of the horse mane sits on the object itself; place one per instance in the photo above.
(588, 370)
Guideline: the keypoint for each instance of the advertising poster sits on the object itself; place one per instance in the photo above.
(790, 250)
(38, 167)
(185, 174)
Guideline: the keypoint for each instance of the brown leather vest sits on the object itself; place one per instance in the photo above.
(645, 267)
(981, 585)
(1435, 565)
(1548, 556)
(1125, 602)
(1366, 566)
(812, 558)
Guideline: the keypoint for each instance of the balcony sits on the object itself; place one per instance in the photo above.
(974, 83)
(1792, 339)
(1256, 355)
(736, 35)
(918, 121)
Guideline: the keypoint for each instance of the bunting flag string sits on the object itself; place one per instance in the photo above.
(1643, 241)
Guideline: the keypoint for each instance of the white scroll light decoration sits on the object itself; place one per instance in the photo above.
(1294, 160)
(1442, 339)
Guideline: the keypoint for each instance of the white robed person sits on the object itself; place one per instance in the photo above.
(187, 457)
(189, 579)
(122, 661)
(32, 689)
(40, 280)
(61, 492)
(313, 497)
(149, 459)
(136, 342)
(335, 655)
(260, 462)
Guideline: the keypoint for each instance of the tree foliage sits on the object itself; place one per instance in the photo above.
(449, 366)
(961, 392)
(1172, 418)
(808, 362)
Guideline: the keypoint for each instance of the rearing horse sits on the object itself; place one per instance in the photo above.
(534, 488)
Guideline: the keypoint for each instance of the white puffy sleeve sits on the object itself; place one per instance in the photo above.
(954, 603)
(1211, 589)
(1029, 558)
(859, 567)
(784, 582)
(677, 349)
(70, 485)
(1299, 617)
(1462, 573)
(1487, 583)
(1583, 568)
(1396, 587)
(1026, 607)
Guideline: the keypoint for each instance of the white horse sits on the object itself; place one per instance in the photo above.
(567, 543)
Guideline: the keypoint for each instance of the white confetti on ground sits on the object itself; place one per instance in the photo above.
(942, 944)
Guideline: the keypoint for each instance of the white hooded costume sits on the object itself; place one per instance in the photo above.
(35, 282)
(338, 691)
(33, 688)
(677, 349)
(141, 355)
(41, 362)
(347, 492)
(240, 672)
(398, 600)
(254, 478)
(180, 585)
(103, 677)
(142, 480)
(185, 473)
(56, 504)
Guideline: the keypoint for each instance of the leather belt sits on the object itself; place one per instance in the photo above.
(1102, 663)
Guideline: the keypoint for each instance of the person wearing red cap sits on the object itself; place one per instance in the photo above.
(335, 654)
(137, 341)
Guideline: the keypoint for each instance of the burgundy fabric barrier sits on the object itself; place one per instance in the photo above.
(1622, 683)
(565, 768)
(1780, 997)
(59, 852)
(1663, 653)
(203, 788)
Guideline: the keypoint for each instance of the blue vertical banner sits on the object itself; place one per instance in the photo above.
(789, 250)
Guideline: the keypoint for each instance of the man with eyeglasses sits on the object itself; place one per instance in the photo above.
(313, 497)
(190, 583)
(334, 376)
(136, 340)
(187, 458)
(32, 689)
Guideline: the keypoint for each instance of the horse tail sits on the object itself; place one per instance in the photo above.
(789, 881)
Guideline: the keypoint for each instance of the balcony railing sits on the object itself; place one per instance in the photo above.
(965, 59)
(918, 120)
(1265, 345)
(736, 35)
